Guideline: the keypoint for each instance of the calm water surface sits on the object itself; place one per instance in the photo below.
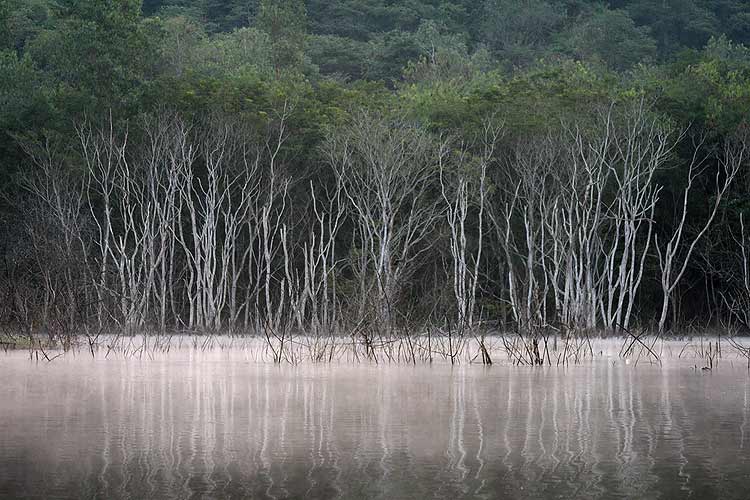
(217, 424)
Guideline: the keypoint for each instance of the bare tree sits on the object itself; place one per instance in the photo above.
(133, 200)
(386, 166)
(641, 146)
(465, 188)
(674, 257)
(58, 229)
(576, 217)
(463, 183)
(518, 217)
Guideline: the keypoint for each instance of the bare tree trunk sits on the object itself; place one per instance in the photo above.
(673, 258)
(385, 167)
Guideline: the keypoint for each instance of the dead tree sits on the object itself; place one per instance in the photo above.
(674, 257)
(641, 146)
(518, 217)
(386, 166)
(58, 228)
(465, 188)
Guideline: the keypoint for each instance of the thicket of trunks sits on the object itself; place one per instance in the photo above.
(203, 224)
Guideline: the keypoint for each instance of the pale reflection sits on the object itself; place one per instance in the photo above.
(215, 423)
(743, 427)
(481, 448)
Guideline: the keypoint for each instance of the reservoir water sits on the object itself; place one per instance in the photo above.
(217, 423)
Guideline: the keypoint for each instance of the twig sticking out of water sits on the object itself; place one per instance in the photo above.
(632, 339)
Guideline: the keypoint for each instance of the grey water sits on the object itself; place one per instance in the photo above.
(217, 424)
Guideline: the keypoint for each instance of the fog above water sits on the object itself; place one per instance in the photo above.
(218, 423)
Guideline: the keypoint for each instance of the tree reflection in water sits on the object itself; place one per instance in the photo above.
(192, 423)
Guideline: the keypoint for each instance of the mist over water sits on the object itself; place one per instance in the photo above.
(217, 424)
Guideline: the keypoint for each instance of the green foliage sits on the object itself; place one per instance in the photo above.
(677, 24)
(444, 55)
(186, 48)
(365, 19)
(610, 37)
(537, 100)
(388, 53)
(96, 50)
(449, 62)
(181, 41)
(24, 109)
(708, 90)
(21, 20)
(5, 29)
(215, 15)
(335, 55)
(285, 22)
(21, 91)
(520, 31)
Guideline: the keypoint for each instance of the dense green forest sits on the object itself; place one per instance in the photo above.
(374, 165)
